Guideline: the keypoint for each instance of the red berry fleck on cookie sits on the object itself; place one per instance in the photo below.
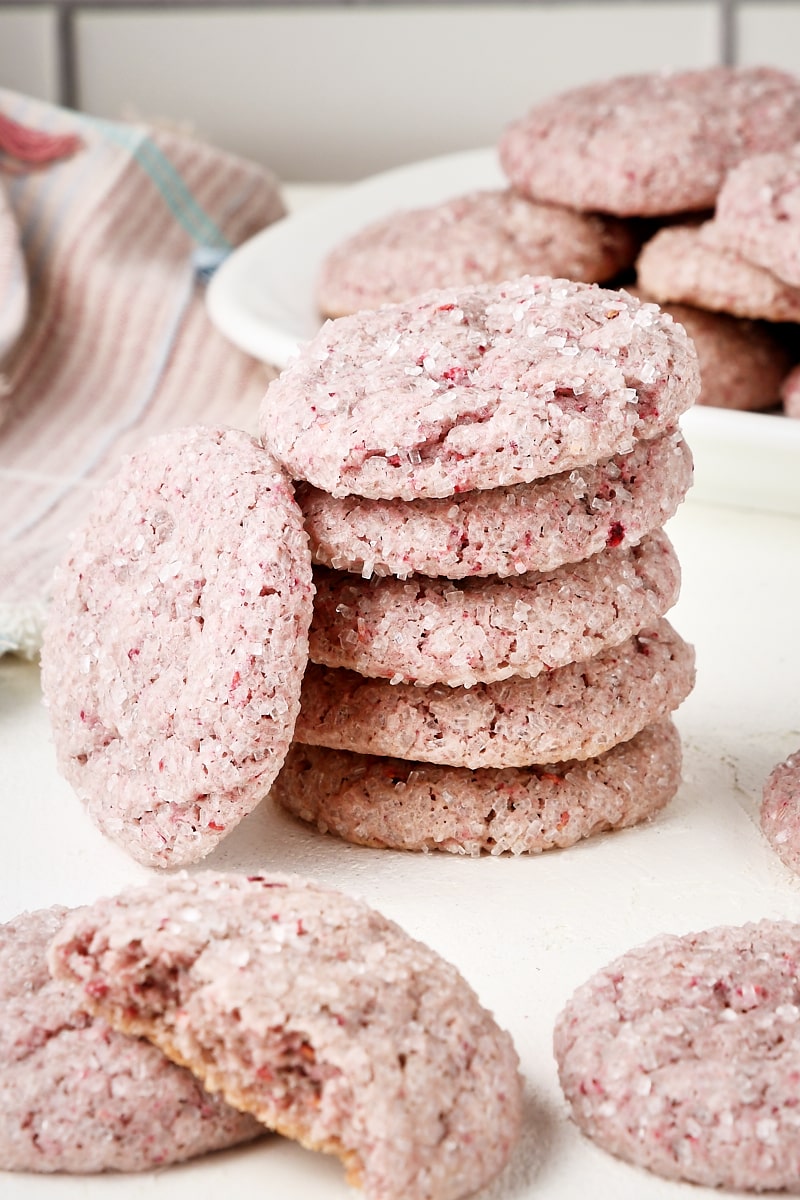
(616, 534)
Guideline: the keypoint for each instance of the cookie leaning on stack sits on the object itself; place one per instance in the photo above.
(176, 642)
(557, 400)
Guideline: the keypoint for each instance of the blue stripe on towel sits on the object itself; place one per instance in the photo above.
(176, 194)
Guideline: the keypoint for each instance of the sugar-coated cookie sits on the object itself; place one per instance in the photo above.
(742, 363)
(483, 237)
(684, 264)
(682, 1056)
(503, 531)
(574, 712)
(758, 213)
(402, 805)
(75, 1095)
(780, 811)
(315, 1013)
(475, 630)
(177, 641)
(478, 388)
(647, 145)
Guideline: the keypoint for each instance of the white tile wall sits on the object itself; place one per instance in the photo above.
(28, 57)
(341, 92)
(770, 33)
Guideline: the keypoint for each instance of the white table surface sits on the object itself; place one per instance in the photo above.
(525, 932)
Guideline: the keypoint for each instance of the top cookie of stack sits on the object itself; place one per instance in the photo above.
(510, 432)
(477, 388)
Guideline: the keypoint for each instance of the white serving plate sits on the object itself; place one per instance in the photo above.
(262, 298)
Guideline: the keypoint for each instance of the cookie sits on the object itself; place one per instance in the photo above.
(683, 265)
(504, 531)
(780, 809)
(683, 1057)
(483, 237)
(75, 1095)
(478, 388)
(400, 805)
(742, 363)
(758, 213)
(315, 1013)
(467, 631)
(650, 145)
(574, 712)
(176, 643)
(790, 393)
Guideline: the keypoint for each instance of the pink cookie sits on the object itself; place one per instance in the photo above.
(474, 630)
(390, 802)
(484, 237)
(647, 145)
(503, 531)
(682, 1056)
(780, 811)
(574, 712)
(176, 643)
(742, 363)
(683, 264)
(478, 388)
(790, 393)
(75, 1095)
(758, 213)
(315, 1013)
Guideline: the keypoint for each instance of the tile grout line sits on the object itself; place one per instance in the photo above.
(729, 32)
(132, 5)
(67, 75)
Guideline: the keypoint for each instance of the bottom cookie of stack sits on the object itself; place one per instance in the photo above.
(399, 804)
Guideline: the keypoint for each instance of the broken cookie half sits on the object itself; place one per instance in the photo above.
(316, 1014)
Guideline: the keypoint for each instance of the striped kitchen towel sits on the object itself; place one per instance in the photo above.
(13, 282)
(107, 234)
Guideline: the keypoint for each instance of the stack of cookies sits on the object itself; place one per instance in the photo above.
(487, 471)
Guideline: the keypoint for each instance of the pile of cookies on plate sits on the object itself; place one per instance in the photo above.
(617, 181)
(486, 471)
